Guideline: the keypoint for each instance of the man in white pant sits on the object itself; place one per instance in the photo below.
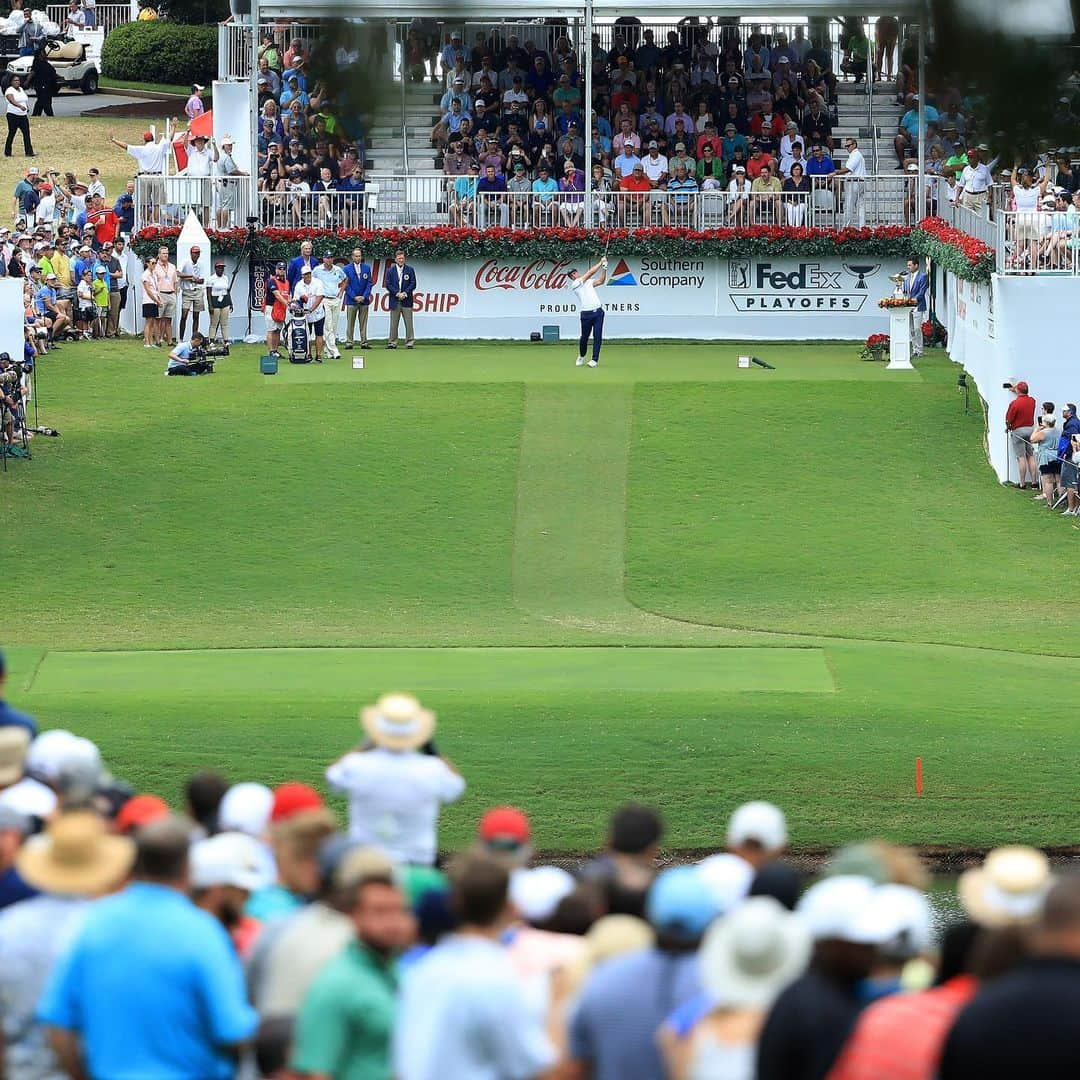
(853, 172)
(332, 278)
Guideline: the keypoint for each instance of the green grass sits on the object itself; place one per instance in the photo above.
(152, 87)
(667, 579)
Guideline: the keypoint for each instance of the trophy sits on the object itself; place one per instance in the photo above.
(898, 286)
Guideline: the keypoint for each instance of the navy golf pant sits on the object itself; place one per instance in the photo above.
(592, 322)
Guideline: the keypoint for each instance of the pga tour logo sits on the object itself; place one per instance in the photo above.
(803, 286)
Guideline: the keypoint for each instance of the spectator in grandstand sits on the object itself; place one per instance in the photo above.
(1023, 1023)
(765, 196)
(794, 157)
(106, 1026)
(463, 201)
(571, 195)
(817, 125)
(853, 179)
(463, 1009)
(545, 188)
(519, 188)
(636, 191)
(710, 170)
(1020, 424)
(678, 206)
(739, 197)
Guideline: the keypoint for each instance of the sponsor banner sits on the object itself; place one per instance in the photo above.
(762, 298)
(791, 287)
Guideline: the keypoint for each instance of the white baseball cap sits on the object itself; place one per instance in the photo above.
(537, 893)
(900, 918)
(838, 907)
(47, 754)
(758, 821)
(246, 808)
(230, 858)
(729, 879)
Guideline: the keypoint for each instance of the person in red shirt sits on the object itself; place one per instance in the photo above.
(103, 219)
(767, 125)
(1020, 423)
(758, 161)
(632, 206)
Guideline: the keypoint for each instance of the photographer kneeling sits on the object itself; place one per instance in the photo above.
(12, 393)
(193, 357)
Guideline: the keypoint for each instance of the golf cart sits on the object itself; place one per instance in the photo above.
(68, 57)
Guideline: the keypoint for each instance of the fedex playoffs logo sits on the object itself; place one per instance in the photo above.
(798, 286)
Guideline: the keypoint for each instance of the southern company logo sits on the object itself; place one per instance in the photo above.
(621, 275)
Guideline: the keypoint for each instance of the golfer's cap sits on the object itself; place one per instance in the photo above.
(654, 145)
(148, 136)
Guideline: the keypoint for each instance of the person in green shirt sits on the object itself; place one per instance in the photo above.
(346, 1022)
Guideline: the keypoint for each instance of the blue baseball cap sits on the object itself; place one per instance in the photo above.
(680, 903)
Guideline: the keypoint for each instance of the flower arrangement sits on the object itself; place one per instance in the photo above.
(875, 348)
(954, 250)
(934, 333)
(896, 302)
(445, 243)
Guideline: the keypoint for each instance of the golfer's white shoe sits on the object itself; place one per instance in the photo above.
(579, 362)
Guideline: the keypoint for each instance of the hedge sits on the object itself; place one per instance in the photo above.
(161, 52)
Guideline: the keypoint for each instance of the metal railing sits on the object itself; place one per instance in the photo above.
(234, 44)
(219, 202)
(404, 201)
(107, 16)
(1038, 242)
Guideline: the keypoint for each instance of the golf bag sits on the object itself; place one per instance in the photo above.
(296, 341)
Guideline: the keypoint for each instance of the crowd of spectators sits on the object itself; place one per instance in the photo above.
(255, 934)
(1046, 446)
(696, 114)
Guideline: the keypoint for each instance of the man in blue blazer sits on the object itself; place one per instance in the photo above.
(304, 259)
(916, 284)
(358, 286)
(400, 285)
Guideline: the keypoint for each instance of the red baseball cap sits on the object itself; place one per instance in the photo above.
(148, 136)
(1022, 386)
(505, 823)
(291, 799)
(138, 811)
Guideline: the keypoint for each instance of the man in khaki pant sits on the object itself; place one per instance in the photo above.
(400, 285)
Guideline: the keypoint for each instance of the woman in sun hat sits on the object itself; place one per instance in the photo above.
(746, 959)
(395, 781)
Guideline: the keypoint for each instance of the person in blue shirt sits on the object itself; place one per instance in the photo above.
(819, 163)
(152, 986)
(11, 716)
(124, 208)
(908, 134)
(544, 191)
(305, 258)
(358, 286)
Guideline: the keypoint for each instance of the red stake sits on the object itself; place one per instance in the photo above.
(918, 776)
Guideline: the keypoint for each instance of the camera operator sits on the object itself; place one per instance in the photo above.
(12, 394)
(186, 354)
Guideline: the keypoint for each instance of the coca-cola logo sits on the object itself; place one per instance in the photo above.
(537, 275)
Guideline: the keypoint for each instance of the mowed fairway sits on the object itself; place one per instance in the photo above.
(667, 579)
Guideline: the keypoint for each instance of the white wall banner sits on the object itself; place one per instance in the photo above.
(645, 297)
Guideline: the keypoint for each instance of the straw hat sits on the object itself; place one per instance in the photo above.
(14, 742)
(749, 956)
(397, 722)
(1008, 888)
(75, 856)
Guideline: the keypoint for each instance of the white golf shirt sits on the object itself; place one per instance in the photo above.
(309, 292)
(394, 799)
(586, 294)
(856, 164)
(150, 157)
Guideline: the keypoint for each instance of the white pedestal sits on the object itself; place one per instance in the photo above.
(900, 340)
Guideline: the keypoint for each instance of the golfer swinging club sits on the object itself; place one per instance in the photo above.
(592, 311)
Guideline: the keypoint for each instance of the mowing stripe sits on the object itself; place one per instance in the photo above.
(360, 673)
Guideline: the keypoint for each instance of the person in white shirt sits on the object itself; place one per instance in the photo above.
(18, 116)
(464, 1011)
(226, 196)
(332, 279)
(75, 20)
(656, 169)
(739, 196)
(201, 155)
(149, 155)
(591, 310)
(975, 183)
(395, 790)
(217, 292)
(853, 178)
(45, 214)
(310, 295)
